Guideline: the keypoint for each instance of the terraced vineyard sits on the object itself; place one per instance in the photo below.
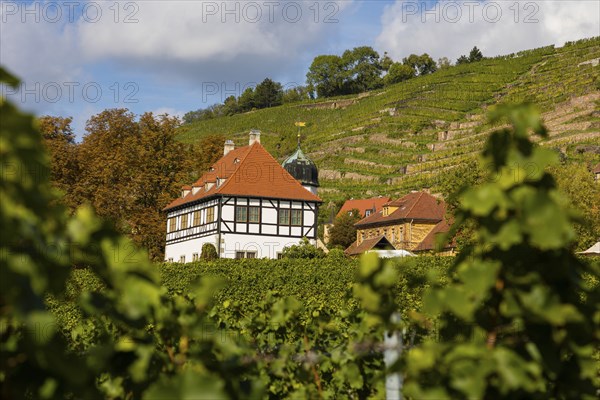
(402, 137)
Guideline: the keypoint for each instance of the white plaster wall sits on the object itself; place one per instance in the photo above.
(189, 247)
(265, 246)
(269, 215)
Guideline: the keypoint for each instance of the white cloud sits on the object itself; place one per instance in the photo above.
(170, 111)
(452, 28)
(188, 37)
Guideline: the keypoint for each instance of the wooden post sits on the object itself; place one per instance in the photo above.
(392, 349)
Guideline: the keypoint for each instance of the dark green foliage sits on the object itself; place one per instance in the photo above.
(529, 320)
(268, 94)
(326, 75)
(474, 56)
(356, 71)
(399, 72)
(343, 231)
(421, 65)
(303, 250)
(209, 252)
(363, 70)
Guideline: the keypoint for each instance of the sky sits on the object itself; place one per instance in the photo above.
(77, 58)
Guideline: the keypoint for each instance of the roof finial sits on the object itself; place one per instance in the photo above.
(298, 138)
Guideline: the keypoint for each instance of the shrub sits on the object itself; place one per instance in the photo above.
(209, 252)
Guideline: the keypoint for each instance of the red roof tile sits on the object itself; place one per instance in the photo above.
(363, 205)
(248, 171)
(416, 205)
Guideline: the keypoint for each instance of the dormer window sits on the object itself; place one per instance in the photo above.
(236, 161)
(367, 213)
(385, 211)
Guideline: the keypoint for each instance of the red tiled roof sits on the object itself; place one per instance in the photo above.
(416, 205)
(365, 245)
(248, 171)
(363, 205)
(429, 242)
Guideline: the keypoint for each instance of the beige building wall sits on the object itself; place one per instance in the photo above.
(405, 236)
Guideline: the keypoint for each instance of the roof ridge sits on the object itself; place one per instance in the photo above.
(235, 171)
(414, 204)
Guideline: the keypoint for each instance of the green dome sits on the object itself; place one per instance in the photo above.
(302, 168)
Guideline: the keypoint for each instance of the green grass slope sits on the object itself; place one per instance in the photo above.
(404, 136)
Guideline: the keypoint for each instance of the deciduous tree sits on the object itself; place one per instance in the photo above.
(343, 232)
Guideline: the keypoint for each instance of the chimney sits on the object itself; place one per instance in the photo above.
(229, 146)
(254, 136)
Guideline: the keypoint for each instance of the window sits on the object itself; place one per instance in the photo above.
(290, 217)
(210, 215)
(241, 214)
(284, 217)
(254, 214)
(172, 224)
(279, 256)
(367, 213)
(182, 259)
(170, 259)
(184, 221)
(197, 220)
(245, 254)
(195, 257)
(296, 217)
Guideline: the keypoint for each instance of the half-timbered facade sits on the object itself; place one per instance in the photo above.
(246, 205)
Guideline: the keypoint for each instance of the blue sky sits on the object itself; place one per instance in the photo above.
(78, 58)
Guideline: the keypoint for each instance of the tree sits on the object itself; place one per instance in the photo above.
(443, 63)
(386, 62)
(209, 252)
(246, 100)
(422, 65)
(302, 250)
(295, 94)
(207, 152)
(231, 106)
(398, 73)
(59, 141)
(343, 231)
(268, 94)
(475, 55)
(462, 60)
(327, 75)
(363, 70)
(131, 170)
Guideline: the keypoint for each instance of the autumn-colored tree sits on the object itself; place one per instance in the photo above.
(130, 171)
(208, 151)
(343, 232)
(59, 141)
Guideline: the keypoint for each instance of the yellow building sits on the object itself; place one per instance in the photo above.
(409, 223)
